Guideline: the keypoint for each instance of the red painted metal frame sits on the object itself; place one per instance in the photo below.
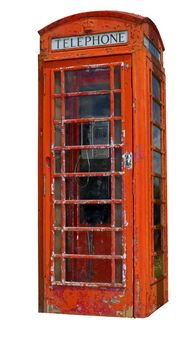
(63, 201)
(143, 293)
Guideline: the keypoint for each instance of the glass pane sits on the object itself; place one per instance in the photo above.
(156, 87)
(118, 219)
(118, 187)
(117, 129)
(156, 112)
(157, 188)
(117, 82)
(57, 138)
(57, 82)
(88, 270)
(157, 214)
(91, 79)
(118, 250)
(156, 137)
(57, 108)
(95, 187)
(90, 243)
(87, 106)
(93, 133)
(57, 269)
(157, 162)
(92, 187)
(118, 158)
(57, 161)
(158, 266)
(118, 266)
(97, 160)
(57, 242)
(117, 104)
(58, 188)
(95, 214)
(157, 240)
(57, 215)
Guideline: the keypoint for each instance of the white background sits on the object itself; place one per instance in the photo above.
(173, 325)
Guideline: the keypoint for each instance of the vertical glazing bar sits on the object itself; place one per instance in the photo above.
(52, 274)
(122, 74)
(112, 171)
(63, 277)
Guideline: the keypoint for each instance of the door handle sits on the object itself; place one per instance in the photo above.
(128, 160)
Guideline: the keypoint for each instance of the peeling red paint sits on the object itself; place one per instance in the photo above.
(82, 270)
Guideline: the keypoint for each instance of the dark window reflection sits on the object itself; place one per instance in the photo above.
(91, 79)
(156, 137)
(157, 188)
(57, 215)
(118, 187)
(57, 269)
(57, 108)
(57, 242)
(57, 82)
(117, 82)
(95, 214)
(158, 266)
(118, 213)
(57, 135)
(157, 240)
(118, 158)
(87, 160)
(117, 104)
(87, 106)
(156, 112)
(118, 243)
(91, 270)
(57, 162)
(88, 242)
(118, 267)
(157, 214)
(156, 87)
(117, 128)
(95, 187)
(157, 162)
(93, 133)
(58, 188)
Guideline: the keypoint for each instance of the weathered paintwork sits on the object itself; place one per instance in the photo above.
(140, 293)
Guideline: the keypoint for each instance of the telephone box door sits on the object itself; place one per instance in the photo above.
(88, 216)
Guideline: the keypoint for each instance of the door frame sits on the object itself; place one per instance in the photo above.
(124, 296)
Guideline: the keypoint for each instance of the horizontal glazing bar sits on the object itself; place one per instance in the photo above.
(159, 201)
(163, 177)
(88, 284)
(85, 256)
(162, 251)
(158, 124)
(87, 228)
(88, 66)
(157, 280)
(75, 147)
(88, 201)
(158, 150)
(158, 226)
(86, 93)
(89, 174)
(86, 120)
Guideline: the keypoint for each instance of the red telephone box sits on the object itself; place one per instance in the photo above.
(102, 166)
